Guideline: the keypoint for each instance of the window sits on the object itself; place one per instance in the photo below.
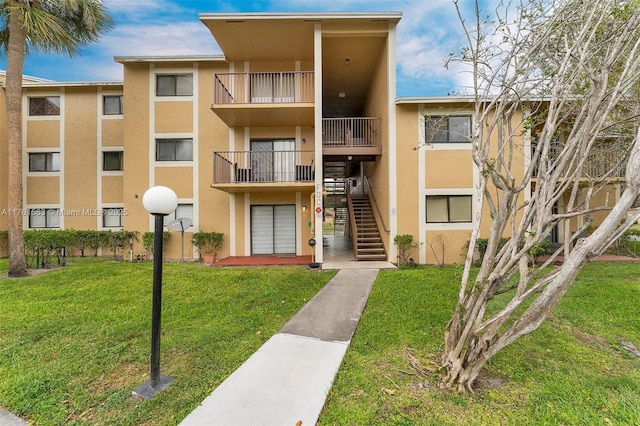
(44, 218)
(174, 84)
(112, 161)
(49, 105)
(112, 217)
(451, 128)
(174, 149)
(112, 105)
(448, 208)
(183, 210)
(44, 162)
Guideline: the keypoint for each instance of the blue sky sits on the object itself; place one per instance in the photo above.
(428, 32)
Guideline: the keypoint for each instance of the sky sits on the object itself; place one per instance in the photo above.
(428, 31)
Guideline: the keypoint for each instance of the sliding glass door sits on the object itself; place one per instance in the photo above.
(273, 160)
(273, 229)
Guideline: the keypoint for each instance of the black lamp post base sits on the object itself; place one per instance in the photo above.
(146, 391)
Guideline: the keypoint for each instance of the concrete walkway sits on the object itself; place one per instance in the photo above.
(287, 380)
(8, 419)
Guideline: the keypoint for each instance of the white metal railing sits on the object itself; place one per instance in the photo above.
(351, 132)
(263, 87)
(606, 159)
(263, 166)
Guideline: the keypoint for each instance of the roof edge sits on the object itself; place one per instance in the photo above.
(392, 16)
(172, 58)
(70, 83)
(433, 99)
(458, 99)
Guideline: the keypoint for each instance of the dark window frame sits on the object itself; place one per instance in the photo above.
(42, 106)
(107, 212)
(105, 162)
(120, 104)
(175, 142)
(448, 198)
(442, 123)
(46, 216)
(171, 83)
(173, 216)
(48, 162)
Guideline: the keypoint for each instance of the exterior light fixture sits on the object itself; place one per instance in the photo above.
(304, 208)
(158, 201)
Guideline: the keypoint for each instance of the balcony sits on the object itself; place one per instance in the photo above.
(256, 171)
(264, 98)
(352, 137)
(607, 159)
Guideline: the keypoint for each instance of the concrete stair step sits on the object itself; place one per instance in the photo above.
(381, 257)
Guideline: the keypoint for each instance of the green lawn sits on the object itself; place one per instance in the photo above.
(571, 371)
(74, 342)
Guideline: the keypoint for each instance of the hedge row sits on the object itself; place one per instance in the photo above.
(41, 246)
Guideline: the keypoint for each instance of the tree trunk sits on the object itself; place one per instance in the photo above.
(471, 339)
(15, 60)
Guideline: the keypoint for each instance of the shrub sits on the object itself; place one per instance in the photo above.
(119, 239)
(149, 237)
(481, 246)
(629, 242)
(542, 248)
(41, 245)
(4, 242)
(208, 242)
(405, 245)
(91, 240)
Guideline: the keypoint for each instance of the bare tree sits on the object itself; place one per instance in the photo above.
(555, 84)
(59, 26)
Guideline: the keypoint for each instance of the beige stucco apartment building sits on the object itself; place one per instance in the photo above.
(298, 116)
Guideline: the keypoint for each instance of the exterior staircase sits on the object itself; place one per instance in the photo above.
(367, 239)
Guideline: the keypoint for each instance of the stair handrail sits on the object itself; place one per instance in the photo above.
(353, 226)
(372, 197)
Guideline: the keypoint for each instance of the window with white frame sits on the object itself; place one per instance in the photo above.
(46, 105)
(447, 128)
(449, 208)
(112, 217)
(183, 210)
(44, 218)
(112, 105)
(112, 161)
(174, 149)
(44, 161)
(174, 84)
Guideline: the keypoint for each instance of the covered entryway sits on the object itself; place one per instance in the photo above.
(273, 229)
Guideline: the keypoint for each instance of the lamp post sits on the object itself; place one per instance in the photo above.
(159, 201)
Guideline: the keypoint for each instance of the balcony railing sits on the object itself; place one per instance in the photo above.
(264, 88)
(351, 132)
(263, 166)
(606, 159)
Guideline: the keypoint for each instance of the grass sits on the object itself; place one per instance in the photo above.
(571, 371)
(74, 342)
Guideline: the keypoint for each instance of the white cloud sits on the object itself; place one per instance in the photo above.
(427, 33)
(179, 38)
